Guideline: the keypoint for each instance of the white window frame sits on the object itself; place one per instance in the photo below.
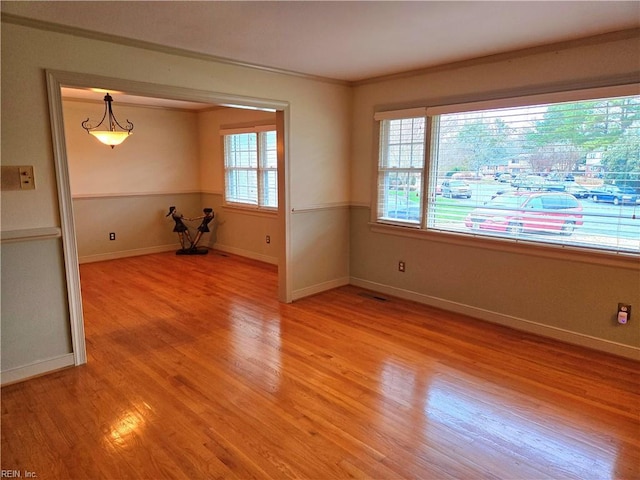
(385, 170)
(261, 169)
(422, 229)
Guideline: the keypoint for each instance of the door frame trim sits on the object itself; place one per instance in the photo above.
(55, 81)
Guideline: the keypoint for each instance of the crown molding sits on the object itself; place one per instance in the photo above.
(130, 42)
(509, 55)
(503, 56)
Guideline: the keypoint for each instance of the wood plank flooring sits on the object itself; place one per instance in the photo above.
(196, 371)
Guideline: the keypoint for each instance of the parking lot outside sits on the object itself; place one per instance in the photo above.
(604, 225)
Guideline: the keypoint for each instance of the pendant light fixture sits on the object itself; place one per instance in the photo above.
(109, 134)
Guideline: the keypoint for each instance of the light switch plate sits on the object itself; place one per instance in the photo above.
(26, 178)
(18, 177)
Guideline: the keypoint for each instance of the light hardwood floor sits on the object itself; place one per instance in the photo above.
(196, 371)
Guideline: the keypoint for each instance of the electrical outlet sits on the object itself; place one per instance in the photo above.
(112, 236)
(268, 239)
(401, 266)
(624, 313)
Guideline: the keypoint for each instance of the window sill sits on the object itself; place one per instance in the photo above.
(251, 210)
(521, 247)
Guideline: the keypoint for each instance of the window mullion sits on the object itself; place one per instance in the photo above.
(259, 173)
(429, 179)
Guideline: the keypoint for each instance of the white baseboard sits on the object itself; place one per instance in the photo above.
(319, 288)
(101, 257)
(168, 248)
(247, 253)
(556, 333)
(35, 369)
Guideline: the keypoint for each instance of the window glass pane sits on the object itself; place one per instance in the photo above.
(251, 158)
(270, 188)
(269, 150)
(565, 173)
(400, 194)
(242, 186)
(401, 167)
(402, 143)
(241, 150)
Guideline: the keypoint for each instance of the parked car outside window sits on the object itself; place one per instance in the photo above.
(522, 178)
(536, 182)
(614, 194)
(519, 212)
(456, 188)
(577, 191)
(410, 213)
(504, 177)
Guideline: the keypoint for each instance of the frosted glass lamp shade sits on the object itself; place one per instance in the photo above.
(110, 138)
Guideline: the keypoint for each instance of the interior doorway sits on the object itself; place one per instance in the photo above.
(158, 93)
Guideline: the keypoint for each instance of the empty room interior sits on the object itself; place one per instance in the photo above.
(306, 239)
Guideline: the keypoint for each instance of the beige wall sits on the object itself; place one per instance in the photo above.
(317, 115)
(560, 297)
(174, 157)
(161, 155)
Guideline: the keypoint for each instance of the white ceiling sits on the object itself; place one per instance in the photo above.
(343, 40)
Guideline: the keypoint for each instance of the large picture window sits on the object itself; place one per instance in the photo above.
(251, 173)
(562, 172)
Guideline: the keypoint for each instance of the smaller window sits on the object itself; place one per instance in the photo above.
(251, 169)
(400, 169)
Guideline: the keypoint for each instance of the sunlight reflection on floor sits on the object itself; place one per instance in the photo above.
(475, 413)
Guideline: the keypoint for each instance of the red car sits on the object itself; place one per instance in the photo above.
(518, 212)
